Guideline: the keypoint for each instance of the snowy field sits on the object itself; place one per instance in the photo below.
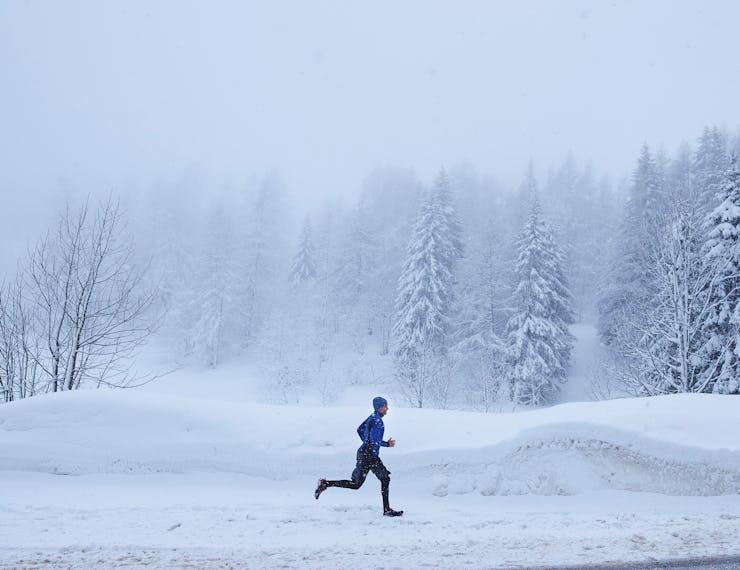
(129, 479)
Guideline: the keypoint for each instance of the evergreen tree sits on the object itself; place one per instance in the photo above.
(388, 206)
(327, 245)
(710, 166)
(304, 261)
(356, 262)
(172, 276)
(450, 234)
(215, 304)
(721, 349)
(354, 276)
(627, 288)
(166, 228)
(479, 350)
(425, 296)
(679, 176)
(523, 198)
(539, 343)
(261, 254)
(582, 213)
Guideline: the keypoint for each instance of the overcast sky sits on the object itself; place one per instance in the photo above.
(109, 94)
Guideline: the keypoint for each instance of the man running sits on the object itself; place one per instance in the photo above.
(368, 457)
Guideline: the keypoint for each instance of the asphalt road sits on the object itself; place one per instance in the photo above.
(723, 563)
(127, 562)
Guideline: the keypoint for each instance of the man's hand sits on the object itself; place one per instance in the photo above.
(391, 442)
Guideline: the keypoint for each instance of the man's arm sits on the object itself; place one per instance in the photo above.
(377, 436)
(361, 431)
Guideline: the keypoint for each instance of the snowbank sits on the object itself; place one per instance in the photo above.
(676, 445)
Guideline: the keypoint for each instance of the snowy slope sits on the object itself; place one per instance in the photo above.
(230, 480)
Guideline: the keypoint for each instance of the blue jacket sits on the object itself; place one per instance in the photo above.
(371, 433)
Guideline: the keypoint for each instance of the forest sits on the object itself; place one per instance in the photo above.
(458, 290)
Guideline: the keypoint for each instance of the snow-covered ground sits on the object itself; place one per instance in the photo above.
(147, 479)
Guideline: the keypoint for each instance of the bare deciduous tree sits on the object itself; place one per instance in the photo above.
(19, 370)
(78, 312)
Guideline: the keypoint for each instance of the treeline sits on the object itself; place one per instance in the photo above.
(669, 309)
(460, 292)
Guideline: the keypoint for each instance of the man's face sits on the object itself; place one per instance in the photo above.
(383, 411)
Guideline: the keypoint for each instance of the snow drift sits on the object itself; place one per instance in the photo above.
(675, 445)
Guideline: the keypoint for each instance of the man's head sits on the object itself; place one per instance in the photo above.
(380, 405)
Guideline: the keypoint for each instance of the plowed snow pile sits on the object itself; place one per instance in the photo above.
(677, 445)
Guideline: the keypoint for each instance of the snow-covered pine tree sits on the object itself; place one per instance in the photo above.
(290, 348)
(709, 168)
(451, 232)
(356, 261)
(388, 206)
(626, 288)
(582, 212)
(526, 192)
(679, 175)
(357, 264)
(482, 292)
(425, 298)
(262, 255)
(721, 350)
(214, 303)
(304, 261)
(327, 246)
(479, 351)
(172, 274)
(538, 341)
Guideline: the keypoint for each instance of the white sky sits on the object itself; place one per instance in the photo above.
(102, 95)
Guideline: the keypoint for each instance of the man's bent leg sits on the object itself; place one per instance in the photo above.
(358, 475)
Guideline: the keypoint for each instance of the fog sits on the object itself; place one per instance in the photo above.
(115, 97)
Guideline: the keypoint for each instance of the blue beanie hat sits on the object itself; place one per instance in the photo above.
(379, 402)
